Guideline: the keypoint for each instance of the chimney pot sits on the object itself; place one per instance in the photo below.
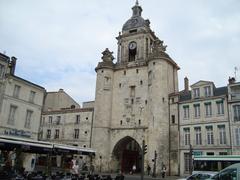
(186, 84)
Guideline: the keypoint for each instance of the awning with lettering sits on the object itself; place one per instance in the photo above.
(41, 147)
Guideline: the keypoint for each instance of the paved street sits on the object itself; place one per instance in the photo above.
(138, 177)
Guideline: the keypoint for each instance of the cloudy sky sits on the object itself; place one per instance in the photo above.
(58, 43)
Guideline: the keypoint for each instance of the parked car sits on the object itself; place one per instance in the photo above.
(199, 176)
(229, 173)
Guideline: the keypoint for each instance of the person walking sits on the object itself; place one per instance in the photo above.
(164, 169)
(148, 170)
(134, 168)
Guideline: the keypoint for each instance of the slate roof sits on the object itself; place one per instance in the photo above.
(220, 91)
(185, 96)
(136, 20)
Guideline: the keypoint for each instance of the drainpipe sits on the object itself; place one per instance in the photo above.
(230, 128)
(178, 136)
(90, 143)
(169, 139)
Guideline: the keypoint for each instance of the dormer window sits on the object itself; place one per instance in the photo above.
(207, 91)
(196, 93)
(132, 51)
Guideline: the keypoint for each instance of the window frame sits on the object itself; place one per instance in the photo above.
(208, 109)
(197, 111)
(32, 96)
(49, 132)
(198, 135)
(220, 108)
(187, 140)
(76, 133)
(209, 133)
(236, 112)
(237, 136)
(185, 112)
(207, 91)
(196, 93)
(16, 91)
(222, 135)
(56, 135)
(12, 114)
(29, 115)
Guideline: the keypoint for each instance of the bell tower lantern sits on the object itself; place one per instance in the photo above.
(136, 38)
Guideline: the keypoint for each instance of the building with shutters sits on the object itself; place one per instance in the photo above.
(203, 122)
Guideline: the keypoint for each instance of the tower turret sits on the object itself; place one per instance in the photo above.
(132, 98)
(103, 106)
(162, 81)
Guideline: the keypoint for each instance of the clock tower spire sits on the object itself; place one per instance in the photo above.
(137, 10)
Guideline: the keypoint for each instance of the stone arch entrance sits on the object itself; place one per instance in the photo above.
(127, 152)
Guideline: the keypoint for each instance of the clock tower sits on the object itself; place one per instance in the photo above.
(136, 38)
(132, 101)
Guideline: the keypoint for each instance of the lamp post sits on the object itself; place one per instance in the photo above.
(100, 163)
(143, 152)
(154, 165)
(190, 159)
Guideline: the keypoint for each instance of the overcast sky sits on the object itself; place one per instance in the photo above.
(58, 43)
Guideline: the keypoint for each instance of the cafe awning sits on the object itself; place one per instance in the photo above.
(40, 147)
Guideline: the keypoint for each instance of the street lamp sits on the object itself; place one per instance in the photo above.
(100, 163)
(190, 159)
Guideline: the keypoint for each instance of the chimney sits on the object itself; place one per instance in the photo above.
(186, 84)
(231, 80)
(12, 65)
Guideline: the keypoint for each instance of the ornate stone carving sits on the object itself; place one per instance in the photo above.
(107, 56)
(158, 46)
(158, 50)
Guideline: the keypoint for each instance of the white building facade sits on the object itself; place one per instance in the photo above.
(203, 122)
(68, 126)
(234, 114)
(21, 103)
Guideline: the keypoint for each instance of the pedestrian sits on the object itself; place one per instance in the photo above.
(164, 169)
(91, 169)
(148, 169)
(134, 168)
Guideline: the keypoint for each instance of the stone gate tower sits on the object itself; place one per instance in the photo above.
(132, 100)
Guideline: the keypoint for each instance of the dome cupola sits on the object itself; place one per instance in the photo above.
(136, 20)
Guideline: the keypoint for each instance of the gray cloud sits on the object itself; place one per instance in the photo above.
(59, 43)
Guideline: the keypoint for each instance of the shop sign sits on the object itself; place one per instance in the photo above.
(197, 153)
(16, 132)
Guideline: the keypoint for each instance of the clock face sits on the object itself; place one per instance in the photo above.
(132, 45)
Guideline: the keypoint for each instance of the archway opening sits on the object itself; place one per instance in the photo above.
(127, 152)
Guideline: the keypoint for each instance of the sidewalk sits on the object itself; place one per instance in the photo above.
(138, 177)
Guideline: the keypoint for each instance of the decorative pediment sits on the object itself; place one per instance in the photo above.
(202, 83)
